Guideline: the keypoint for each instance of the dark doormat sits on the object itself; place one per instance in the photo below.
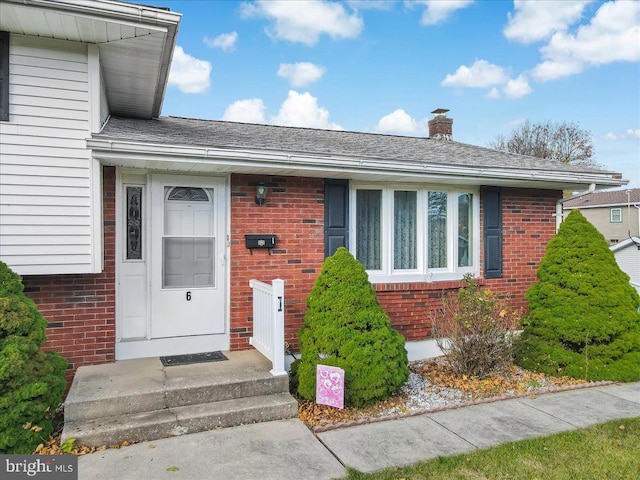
(192, 358)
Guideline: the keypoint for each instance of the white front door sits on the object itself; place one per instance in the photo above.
(187, 256)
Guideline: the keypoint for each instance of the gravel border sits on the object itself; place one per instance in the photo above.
(455, 406)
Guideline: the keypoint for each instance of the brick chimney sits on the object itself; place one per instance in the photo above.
(440, 127)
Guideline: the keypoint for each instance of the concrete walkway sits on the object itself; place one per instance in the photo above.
(287, 449)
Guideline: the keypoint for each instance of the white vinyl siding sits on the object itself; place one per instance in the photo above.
(46, 198)
(628, 259)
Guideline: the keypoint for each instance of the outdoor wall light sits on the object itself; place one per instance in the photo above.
(261, 193)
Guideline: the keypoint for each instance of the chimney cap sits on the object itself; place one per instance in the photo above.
(440, 111)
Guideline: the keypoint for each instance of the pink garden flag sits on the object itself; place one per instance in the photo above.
(330, 386)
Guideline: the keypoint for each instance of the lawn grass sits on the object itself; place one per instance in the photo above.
(607, 451)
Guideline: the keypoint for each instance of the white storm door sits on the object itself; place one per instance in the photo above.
(187, 247)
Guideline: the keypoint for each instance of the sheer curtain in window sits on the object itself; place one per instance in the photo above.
(368, 216)
(404, 230)
(437, 217)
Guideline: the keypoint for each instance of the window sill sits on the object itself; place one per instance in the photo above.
(433, 281)
(437, 285)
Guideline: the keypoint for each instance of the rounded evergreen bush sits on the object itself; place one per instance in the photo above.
(583, 314)
(31, 381)
(346, 327)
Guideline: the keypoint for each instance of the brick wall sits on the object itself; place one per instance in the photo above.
(528, 224)
(294, 211)
(80, 309)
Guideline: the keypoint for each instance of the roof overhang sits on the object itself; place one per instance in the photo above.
(635, 241)
(198, 159)
(136, 44)
(605, 205)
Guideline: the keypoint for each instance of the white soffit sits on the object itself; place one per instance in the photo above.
(135, 42)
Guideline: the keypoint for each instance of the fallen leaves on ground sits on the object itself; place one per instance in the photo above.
(54, 447)
(515, 381)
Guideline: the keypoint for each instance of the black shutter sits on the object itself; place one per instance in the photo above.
(492, 204)
(336, 215)
(4, 76)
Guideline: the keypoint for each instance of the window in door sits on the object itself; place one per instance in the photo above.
(188, 242)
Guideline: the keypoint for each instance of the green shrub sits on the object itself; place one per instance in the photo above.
(474, 331)
(346, 327)
(584, 320)
(31, 381)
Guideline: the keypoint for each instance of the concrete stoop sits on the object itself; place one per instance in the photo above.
(138, 400)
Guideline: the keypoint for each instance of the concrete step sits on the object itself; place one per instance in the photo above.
(140, 399)
(162, 423)
(143, 385)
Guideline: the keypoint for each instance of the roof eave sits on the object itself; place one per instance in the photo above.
(160, 21)
(200, 158)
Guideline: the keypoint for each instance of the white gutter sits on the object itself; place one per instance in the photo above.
(559, 203)
(113, 151)
(104, 9)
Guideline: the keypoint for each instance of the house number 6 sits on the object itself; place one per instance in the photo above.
(188, 296)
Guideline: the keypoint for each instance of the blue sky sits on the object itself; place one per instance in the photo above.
(383, 66)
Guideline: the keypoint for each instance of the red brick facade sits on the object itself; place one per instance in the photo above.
(81, 308)
(528, 223)
(294, 211)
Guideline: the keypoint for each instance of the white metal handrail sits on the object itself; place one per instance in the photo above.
(268, 322)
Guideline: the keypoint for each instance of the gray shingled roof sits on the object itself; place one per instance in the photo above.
(610, 197)
(218, 134)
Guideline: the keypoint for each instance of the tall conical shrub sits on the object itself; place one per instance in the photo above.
(346, 327)
(584, 320)
(31, 381)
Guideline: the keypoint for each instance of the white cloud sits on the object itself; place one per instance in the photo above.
(371, 4)
(189, 74)
(250, 110)
(611, 36)
(225, 41)
(629, 133)
(305, 21)
(302, 110)
(398, 121)
(494, 93)
(302, 73)
(481, 74)
(551, 70)
(439, 10)
(535, 21)
(517, 88)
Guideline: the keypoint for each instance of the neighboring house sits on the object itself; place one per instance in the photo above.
(129, 229)
(616, 213)
(627, 253)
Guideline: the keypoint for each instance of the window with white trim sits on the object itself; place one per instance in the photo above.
(404, 233)
(616, 215)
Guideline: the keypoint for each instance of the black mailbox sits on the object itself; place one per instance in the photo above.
(260, 241)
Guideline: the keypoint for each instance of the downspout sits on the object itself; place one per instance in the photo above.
(559, 203)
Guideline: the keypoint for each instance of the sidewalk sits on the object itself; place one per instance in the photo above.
(287, 449)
